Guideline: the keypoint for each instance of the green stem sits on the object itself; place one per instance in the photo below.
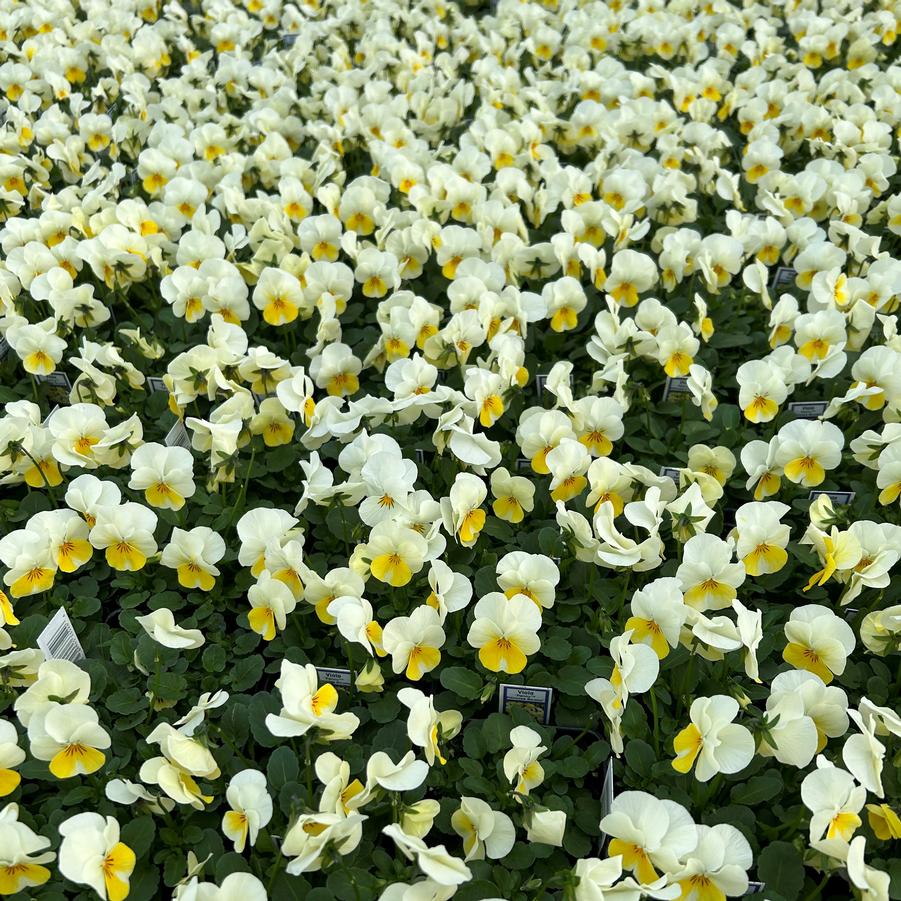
(656, 721)
(309, 769)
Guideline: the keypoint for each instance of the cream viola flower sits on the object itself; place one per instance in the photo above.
(76, 429)
(759, 461)
(631, 274)
(250, 808)
(718, 462)
(11, 755)
(450, 592)
(762, 537)
(356, 623)
(395, 553)
(22, 854)
(273, 423)
(864, 755)
(539, 432)
(598, 422)
(826, 705)
(461, 511)
(164, 474)
(485, 832)
(435, 862)
(718, 865)
(417, 819)
(69, 737)
(818, 641)
(657, 615)
(310, 835)
(278, 295)
(567, 463)
(546, 827)
(514, 495)
(91, 854)
(193, 555)
(426, 727)
(761, 391)
(834, 801)
(707, 576)
(649, 834)
(55, 678)
(271, 600)
(126, 534)
(405, 775)
(505, 632)
(839, 552)
(307, 705)
(806, 450)
(414, 642)
(162, 628)
(534, 575)
(37, 346)
(712, 740)
(336, 370)
(521, 766)
(600, 880)
(564, 300)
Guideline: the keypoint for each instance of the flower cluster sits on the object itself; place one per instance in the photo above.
(464, 443)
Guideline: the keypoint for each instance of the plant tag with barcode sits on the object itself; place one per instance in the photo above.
(58, 641)
(178, 436)
(4, 348)
(156, 384)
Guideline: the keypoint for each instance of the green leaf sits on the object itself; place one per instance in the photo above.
(138, 835)
(758, 788)
(461, 681)
(214, 658)
(230, 863)
(246, 672)
(283, 767)
(640, 756)
(496, 732)
(780, 865)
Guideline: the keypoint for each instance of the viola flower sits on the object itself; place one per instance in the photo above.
(271, 601)
(514, 496)
(250, 809)
(818, 641)
(712, 740)
(11, 755)
(807, 450)
(22, 854)
(485, 832)
(505, 632)
(126, 534)
(69, 737)
(762, 537)
(193, 555)
(395, 553)
(414, 642)
(91, 854)
(461, 510)
(307, 705)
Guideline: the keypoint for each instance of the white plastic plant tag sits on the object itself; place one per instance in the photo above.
(534, 699)
(58, 641)
(337, 677)
(607, 790)
(178, 436)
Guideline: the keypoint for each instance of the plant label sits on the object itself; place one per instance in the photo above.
(178, 436)
(58, 640)
(671, 472)
(676, 387)
(842, 498)
(808, 409)
(785, 275)
(155, 384)
(535, 700)
(337, 677)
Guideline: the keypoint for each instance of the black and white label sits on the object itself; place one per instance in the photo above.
(288, 40)
(540, 383)
(56, 379)
(523, 464)
(337, 677)
(676, 387)
(842, 498)
(4, 348)
(58, 641)
(178, 436)
(808, 409)
(671, 472)
(755, 887)
(785, 275)
(155, 385)
(536, 700)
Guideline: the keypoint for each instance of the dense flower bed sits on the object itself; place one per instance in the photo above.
(362, 360)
